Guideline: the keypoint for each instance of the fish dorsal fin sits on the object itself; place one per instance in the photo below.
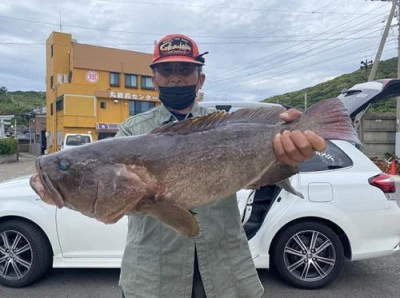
(191, 125)
(267, 115)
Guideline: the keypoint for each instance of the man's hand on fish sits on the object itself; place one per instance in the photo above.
(294, 147)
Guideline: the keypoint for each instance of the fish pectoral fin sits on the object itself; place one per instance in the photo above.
(277, 174)
(179, 219)
(285, 184)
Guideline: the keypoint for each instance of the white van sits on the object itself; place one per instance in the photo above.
(72, 140)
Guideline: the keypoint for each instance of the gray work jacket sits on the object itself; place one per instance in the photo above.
(159, 262)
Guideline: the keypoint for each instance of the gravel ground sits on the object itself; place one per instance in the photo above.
(25, 166)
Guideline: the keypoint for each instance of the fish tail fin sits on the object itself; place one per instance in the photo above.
(329, 119)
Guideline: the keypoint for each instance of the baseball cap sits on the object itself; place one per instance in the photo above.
(177, 48)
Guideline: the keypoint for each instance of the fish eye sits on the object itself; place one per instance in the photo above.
(64, 165)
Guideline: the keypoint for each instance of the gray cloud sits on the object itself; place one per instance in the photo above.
(257, 48)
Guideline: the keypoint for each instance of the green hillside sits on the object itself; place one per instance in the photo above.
(332, 88)
(20, 103)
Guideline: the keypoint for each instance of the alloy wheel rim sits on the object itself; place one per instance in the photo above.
(15, 255)
(309, 256)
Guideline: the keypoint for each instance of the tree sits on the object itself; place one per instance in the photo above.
(3, 90)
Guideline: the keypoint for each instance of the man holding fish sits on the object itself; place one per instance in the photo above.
(158, 261)
(174, 170)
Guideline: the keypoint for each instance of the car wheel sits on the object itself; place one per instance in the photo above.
(25, 254)
(308, 255)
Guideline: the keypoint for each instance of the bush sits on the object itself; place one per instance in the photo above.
(8, 146)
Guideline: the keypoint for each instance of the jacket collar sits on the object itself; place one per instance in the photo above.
(167, 117)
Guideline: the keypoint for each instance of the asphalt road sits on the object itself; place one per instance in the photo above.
(24, 166)
(371, 278)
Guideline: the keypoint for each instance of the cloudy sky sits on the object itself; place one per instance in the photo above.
(256, 48)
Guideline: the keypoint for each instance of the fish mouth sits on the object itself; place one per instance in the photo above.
(42, 185)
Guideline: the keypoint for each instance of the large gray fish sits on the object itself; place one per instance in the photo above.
(178, 167)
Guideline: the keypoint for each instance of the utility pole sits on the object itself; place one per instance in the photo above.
(305, 101)
(376, 62)
(397, 142)
(383, 40)
(398, 40)
(365, 64)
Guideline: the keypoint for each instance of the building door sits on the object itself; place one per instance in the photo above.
(43, 142)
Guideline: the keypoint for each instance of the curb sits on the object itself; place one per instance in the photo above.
(8, 158)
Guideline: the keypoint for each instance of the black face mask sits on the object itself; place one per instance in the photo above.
(177, 97)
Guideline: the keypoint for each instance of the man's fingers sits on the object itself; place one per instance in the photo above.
(287, 150)
(302, 144)
(296, 147)
(280, 152)
(317, 143)
(290, 115)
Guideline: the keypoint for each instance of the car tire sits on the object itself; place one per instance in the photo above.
(308, 255)
(25, 254)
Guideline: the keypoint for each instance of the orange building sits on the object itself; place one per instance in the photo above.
(92, 89)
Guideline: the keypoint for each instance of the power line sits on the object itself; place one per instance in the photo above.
(252, 81)
(80, 27)
(147, 33)
(284, 60)
(220, 92)
(256, 63)
(223, 7)
(209, 43)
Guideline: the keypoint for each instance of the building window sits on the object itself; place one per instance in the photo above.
(114, 79)
(137, 107)
(51, 82)
(147, 83)
(51, 109)
(131, 81)
(105, 135)
(60, 103)
(52, 50)
(102, 105)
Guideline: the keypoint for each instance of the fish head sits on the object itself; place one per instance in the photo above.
(64, 176)
(96, 179)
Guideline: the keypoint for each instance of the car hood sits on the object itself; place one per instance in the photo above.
(20, 184)
(358, 97)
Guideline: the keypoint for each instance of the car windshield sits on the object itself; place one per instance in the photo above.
(77, 140)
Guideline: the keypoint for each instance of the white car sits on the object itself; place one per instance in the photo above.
(349, 211)
(71, 140)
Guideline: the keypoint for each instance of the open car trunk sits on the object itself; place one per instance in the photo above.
(360, 96)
